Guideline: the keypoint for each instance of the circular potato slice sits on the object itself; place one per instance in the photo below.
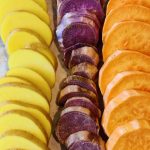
(134, 135)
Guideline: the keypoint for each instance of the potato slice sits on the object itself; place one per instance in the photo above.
(125, 81)
(21, 140)
(42, 3)
(134, 135)
(37, 112)
(23, 93)
(21, 120)
(7, 6)
(125, 107)
(7, 80)
(25, 20)
(130, 35)
(33, 77)
(123, 61)
(126, 13)
(22, 38)
(35, 61)
(112, 4)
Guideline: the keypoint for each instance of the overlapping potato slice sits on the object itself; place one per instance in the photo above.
(37, 112)
(21, 120)
(125, 107)
(7, 6)
(35, 61)
(23, 93)
(121, 61)
(25, 20)
(112, 4)
(42, 3)
(126, 13)
(33, 77)
(21, 140)
(22, 38)
(130, 35)
(134, 135)
(125, 81)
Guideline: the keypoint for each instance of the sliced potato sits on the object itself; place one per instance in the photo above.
(23, 93)
(7, 80)
(33, 77)
(25, 20)
(126, 13)
(125, 81)
(125, 107)
(21, 120)
(21, 140)
(7, 6)
(42, 3)
(37, 112)
(22, 38)
(123, 61)
(134, 135)
(112, 4)
(130, 35)
(35, 61)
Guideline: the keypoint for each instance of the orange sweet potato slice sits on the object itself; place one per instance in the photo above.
(131, 35)
(127, 106)
(126, 13)
(123, 61)
(125, 81)
(134, 135)
(112, 4)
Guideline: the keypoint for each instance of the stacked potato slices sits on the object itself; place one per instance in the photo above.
(79, 24)
(124, 79)
(25, 91)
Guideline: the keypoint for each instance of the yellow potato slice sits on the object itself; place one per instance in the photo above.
(134, 135)
(112, 4)
(123, 61)
(7, 6)
(7, 80)
(23, 93)
(33, 77)
(130, 35)
(125, 107)
(42, 3)
(126, 13)
(21, 120)
(22, 38)
(37, 112)
(35, 61)
(20, 140)
(25, 20)
(125, 81)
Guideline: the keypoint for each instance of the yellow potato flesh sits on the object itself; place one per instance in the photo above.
(21, 140)
(35, 61)
(33, 77)
(7, 6)
(42, 3)
(134, 135)
(20, 38)
(125, 107)
(123, 61)
(22, 93)
(130, 35)
(125, 81)
(25, 20)
(21, 120)
(37, 112)
(126, 13)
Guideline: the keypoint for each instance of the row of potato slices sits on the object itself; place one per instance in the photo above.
(125, 76)
(25, 92)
